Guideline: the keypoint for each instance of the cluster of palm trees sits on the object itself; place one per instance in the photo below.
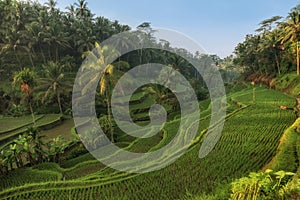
(46, 43)
(275, 48)
(47, 84)
(32, 34)
(30, 149)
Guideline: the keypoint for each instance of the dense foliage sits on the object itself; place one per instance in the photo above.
(274, 49)
(41, 49)
(52, 44)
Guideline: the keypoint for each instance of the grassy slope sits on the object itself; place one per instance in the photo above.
(242, 149)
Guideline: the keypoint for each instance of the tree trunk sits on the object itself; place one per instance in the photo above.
(43, 55)
(31, 60)
(109, 118)
(277, 61)
(32, 114)
(49, 52)
(298, 63)
(17, 57)
(59, 103)
(56, 52)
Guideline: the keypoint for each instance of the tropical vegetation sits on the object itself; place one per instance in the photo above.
(42, 156)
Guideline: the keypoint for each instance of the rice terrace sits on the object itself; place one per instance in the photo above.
(92, 108)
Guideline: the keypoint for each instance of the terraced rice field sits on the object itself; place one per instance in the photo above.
(249, 140)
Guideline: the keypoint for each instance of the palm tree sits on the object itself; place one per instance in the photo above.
(86, 40)
(54, 81)
(106, 82)
(51, 4)
(71, 10)
(82, 11)
(108, 76)
(57, 38)
(33, 36)
(145, 34)
(291, 32)
(271, 44)
(103, 28)
(27, 80)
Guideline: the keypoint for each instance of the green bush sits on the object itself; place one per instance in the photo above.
(261, 185)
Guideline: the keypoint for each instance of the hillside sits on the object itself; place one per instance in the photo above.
(249, 141)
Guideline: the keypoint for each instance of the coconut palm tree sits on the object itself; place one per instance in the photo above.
(27, 80)
(106, 82)
(71, 11)
(86, 39)
(51, 4)
(56, 38)
(291, 32)
(109, 75)
(271, 45)
(54, 82)
(102, 28)
(33, 37)
(82, 11)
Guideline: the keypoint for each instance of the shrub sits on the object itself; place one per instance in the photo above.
(266, 185)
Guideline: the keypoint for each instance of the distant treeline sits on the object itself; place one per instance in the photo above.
(274, 49)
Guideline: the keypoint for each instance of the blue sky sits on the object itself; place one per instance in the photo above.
(217, 25)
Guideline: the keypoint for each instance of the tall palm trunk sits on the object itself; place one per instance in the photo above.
(277, 61)
(32, 114)
(19, 62)
(31, 60)
(111, 129)
(56, 53)
(298, 62)
(59, 102)
(43, 55)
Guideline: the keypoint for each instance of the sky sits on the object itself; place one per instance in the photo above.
(217, 25)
